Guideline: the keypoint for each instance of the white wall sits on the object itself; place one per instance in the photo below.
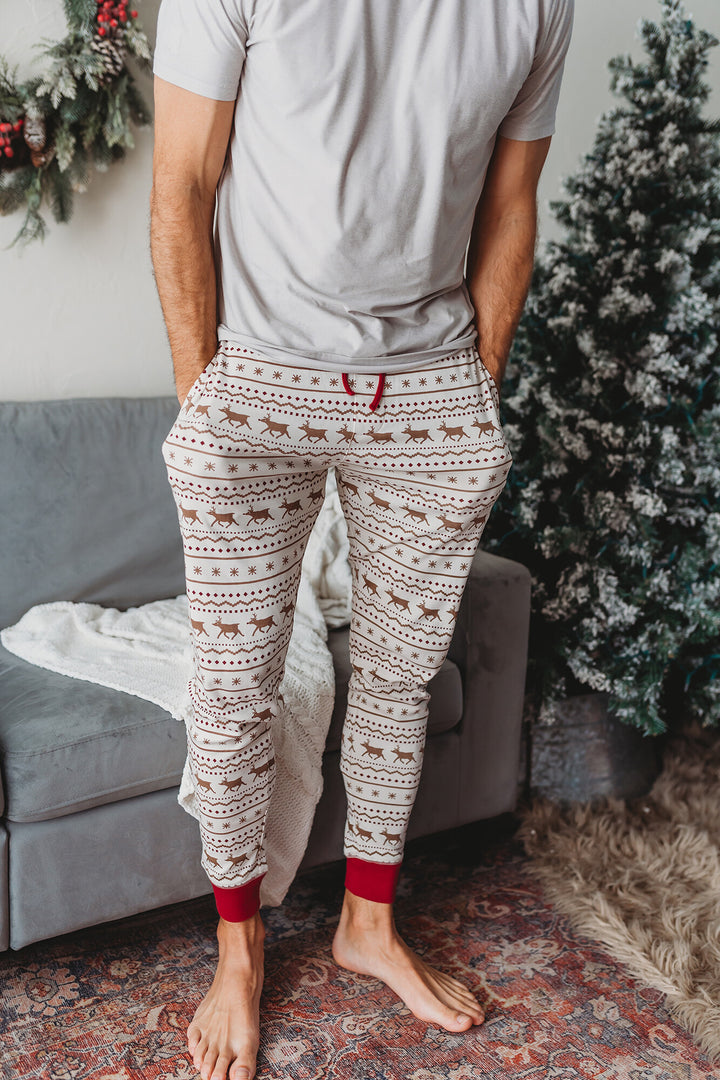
(82, 316)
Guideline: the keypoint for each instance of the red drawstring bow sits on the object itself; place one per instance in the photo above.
(378, 391)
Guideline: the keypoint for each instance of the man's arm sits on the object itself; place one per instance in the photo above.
(502, 246)
(191, 138)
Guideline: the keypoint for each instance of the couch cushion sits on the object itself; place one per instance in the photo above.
(446, 696)
(88, 513)
(68, 745)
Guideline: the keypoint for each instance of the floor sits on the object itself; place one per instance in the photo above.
(113, 1002)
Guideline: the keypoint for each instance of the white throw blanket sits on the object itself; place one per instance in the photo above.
(147, 651)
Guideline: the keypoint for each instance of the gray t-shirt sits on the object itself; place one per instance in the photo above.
(361, 139)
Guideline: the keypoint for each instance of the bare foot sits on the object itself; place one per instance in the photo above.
(366, 941)
(224, 1035)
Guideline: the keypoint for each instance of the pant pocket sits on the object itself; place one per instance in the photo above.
(193, 393)
(485, 375)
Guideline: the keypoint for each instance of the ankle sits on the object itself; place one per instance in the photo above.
(243, 935)
(367, 915)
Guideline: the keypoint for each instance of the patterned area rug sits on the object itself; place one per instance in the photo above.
(113, 1002)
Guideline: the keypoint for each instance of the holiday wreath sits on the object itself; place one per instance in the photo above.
(53, 127)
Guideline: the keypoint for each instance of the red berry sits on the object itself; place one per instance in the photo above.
(9, 152)
(18, 125)
(101, 31)
(113, 22)
(134, 14)
(122, 16)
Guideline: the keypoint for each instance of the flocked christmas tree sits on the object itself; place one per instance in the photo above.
(612, 405)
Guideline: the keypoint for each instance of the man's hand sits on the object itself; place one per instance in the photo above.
(183, 386)
(496, 369)
(191, 139)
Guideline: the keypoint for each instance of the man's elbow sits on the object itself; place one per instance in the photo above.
(175, 196)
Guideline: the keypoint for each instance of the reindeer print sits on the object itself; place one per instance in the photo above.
(399, 601)
(370, 585)
(275, 427)
(231, 785)
(234, 417)
(374, 751)
(263, 715)
(452, 432)
(417, 434)
(485, 427)
(318, 434)
(258, 770)
(223, 519)
(190, 514)
(260, 515)
(363, 834)
(429, 612)
(238, 860)
(424, 471)
(391, 837)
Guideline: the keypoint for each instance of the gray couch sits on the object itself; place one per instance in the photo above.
(91, 829)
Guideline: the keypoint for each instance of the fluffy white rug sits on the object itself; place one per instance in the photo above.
(643, 878)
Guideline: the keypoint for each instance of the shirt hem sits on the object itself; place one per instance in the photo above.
(364, 365)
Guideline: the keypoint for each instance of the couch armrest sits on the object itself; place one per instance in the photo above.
(490, 648)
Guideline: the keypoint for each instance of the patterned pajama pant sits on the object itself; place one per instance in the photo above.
(417, 476)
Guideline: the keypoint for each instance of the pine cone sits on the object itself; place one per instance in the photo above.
(113, 56)
(42, 157)
(34, 131)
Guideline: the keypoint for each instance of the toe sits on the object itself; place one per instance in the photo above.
(241, 1072)
(193, 1037)
(199, 1052)
(209, 1060)
(221, 1068)
(460, 996)
(452, 1017)
(455, 1018)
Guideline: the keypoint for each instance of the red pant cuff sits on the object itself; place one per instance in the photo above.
(372, 881)
(240, 902)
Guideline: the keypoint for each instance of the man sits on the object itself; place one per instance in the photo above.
(325, 316)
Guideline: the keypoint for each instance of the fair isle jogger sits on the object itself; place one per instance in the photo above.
(417, 477)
